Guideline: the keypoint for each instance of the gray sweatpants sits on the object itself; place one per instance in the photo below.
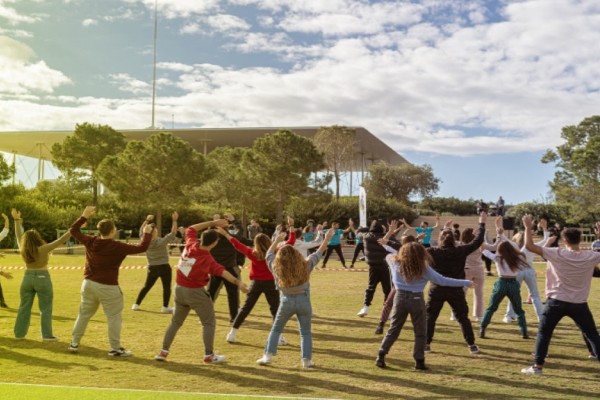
(187, 299)
(405, 304)
(92, 295)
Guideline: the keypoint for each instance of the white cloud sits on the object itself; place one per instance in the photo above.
(12, 16)
(220, 23)
(20, 75)
(127, 83)
(89, 22)
(171, 9)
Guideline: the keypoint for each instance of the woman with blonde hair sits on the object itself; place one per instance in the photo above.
(35, 252)
(291, 271)
(262, 279)
(410, 270)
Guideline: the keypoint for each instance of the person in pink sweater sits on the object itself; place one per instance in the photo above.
(103, 258)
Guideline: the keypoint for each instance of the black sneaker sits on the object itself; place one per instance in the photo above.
(427, 348)
(482, 333)
(379, 330)
(380, 361)
(420, 365)
(120, 353)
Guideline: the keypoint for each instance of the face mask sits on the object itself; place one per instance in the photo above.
(233, 231)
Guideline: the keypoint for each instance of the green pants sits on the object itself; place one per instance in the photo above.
(35, 282)
(506, 287)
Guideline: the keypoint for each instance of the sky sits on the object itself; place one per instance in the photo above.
(477, 89)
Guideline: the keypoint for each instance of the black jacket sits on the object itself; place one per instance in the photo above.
(374, 252)
(450, 261)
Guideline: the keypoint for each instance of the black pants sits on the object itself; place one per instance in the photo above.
(233, 292)
(378, 274)
(1, 294)
(359, 247)
(554, 311)
(488, 263)
(338, 250)
(254, 291)
(455, 296)
(163, 272)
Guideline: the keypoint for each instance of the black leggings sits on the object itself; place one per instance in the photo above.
(163, 272)
(359, 247)
(338, 250)
(256, 289)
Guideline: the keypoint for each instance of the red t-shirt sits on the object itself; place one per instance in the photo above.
(196, 265)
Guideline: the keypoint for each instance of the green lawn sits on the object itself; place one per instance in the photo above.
(344, 351)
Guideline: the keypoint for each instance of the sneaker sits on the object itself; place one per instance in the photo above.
(363, 311)
(121, 352)
(167, 310)
(427, 348)
(478, 319)
(379, 329)
(482, 333)
(162, 356)
(532, 370)
(380, 361)
(351, 266)
(231, 337)
(282, 341)
(473, 349)
(50, 339)
(307, 363)
(323, 266)
(73, 348)
(420, 365)
(213, 359)
(452, 317)
(265, 359)
(361, 259)
(592, 356)
(135, 307)
(508, 320)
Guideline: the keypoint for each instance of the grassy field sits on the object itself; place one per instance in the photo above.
(344, 351)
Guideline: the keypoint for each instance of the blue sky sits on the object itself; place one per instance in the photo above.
(477, 89)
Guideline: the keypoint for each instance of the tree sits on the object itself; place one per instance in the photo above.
(576, 181)
(337, 145)
(232, 186)
(6, 171)
(400, 182)
(280, 165)
(79, 156)
(158, 173)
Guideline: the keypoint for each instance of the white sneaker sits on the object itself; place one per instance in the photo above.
(508, 320)
(532, 370)
(452, 317)
(282, 341)
(135, 307)
(307, 363)
(363, 311)
(167, 310)
(265, 359)
(478, 319)
(213, 359)
(231, 336)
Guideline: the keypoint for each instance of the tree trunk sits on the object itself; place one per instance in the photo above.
(336, 175)
(158, 221)
(94, 192)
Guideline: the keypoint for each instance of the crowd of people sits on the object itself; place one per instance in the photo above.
(399, 261)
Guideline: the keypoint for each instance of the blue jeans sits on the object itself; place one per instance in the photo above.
(290, 305)
(528, 276)
(554, 311)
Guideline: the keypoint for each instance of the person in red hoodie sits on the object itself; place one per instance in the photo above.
(103, 258)
(193, 273)
(262, 279)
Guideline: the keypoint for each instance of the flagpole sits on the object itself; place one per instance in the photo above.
(154, 64)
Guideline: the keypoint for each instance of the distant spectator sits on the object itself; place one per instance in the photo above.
(253, 229)
(500, 207)
(456, 231)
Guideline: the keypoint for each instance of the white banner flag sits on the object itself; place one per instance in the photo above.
(362, 206)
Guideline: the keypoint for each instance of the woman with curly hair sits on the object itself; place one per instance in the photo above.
(35, 252)
(410, 272)
(291, 271)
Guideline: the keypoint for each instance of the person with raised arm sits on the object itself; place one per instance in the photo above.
(262, 281)
(103, 258)
(292, 274)
(194, 270)
(568, 281)
(424, 228)
(449, 260)
(36, 280)
(336, 242)
(411, 270)
(158, 263)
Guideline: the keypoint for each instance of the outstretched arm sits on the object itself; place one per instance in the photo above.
(209, 224)
(238, 282)
(529, 245)
(437, 221)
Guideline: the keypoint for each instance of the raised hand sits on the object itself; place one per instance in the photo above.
(175, 216)
(15, 214)
(88, 212)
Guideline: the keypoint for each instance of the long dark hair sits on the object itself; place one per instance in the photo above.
(511, 256)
